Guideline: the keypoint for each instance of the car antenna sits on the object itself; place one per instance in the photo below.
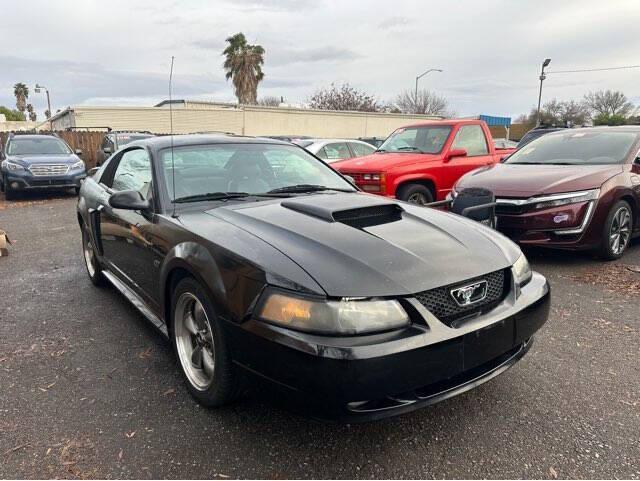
(173, 168)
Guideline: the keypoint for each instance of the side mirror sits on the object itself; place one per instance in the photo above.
(455, 153)
(129, 200)
(78, 152)
(107, 150)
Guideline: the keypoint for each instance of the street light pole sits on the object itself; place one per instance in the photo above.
(415, 99)
(546, 62)
(38, 89)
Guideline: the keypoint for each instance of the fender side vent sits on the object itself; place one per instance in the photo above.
(369, 216)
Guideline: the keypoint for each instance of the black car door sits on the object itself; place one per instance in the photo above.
(127, 235)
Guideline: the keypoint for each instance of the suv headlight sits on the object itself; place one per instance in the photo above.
(521, 271)
(345, 317)
(557, 200)
(12, 165)
(78, 165)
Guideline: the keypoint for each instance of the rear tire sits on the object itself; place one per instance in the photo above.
(200, 346)
(415, 194)
(617, 230)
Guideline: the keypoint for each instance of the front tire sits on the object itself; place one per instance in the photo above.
(617, 230)
(9, 194)
(415, 194)
(199, 343)
(94, 270)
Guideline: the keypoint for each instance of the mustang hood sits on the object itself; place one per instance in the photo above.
(518, 180)
(359, 245)
(381, 161)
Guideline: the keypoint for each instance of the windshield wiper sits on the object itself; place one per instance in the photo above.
(409, 147)
(380, 150)
(211, 196)
(292, 189)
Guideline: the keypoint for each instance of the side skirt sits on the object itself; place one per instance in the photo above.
(137, 302)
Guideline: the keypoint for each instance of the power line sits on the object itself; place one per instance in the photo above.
(595, 69)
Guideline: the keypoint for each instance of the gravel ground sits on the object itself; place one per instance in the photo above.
(88, 389)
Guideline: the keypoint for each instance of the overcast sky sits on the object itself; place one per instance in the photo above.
(118, 52)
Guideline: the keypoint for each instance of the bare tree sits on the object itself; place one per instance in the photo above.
(344, 97)
(609, 102)
(555, 112)
(270, 101)
(426, 102)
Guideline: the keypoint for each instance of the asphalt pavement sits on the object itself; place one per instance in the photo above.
(89, 389)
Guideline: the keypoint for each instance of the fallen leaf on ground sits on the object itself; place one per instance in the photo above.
(120, 454)
(553, 473)
(145, 354)
(168, 391)
(130, 435)
(14, 449)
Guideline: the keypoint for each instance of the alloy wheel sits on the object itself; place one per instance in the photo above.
(89, 255)
(194, 341)
(620, 231)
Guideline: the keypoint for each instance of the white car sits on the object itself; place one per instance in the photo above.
(333, 150)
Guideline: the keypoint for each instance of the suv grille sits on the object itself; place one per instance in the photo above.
(49, 169)
(441, 304)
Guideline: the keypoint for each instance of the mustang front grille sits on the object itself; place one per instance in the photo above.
(41, 170)
(441, 303)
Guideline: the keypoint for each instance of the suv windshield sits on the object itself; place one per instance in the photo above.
(249, 169)
(36, 146)
(427, 139)
(576, 147)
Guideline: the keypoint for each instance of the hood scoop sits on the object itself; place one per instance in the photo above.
(362, 210)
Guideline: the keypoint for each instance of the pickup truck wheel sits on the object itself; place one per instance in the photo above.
(200, 345)
(415, 194)
(94, 270)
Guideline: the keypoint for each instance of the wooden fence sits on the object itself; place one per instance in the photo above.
(88, 142)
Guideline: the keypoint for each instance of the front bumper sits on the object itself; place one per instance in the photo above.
(24, 180)
(375, 376)
(559, 227)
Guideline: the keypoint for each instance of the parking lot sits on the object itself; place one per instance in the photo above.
(89, 389)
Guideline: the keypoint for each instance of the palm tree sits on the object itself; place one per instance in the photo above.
(243, 65)
(32, 114)
(21, 91)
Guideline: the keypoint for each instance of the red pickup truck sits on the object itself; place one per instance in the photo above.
(421, 162)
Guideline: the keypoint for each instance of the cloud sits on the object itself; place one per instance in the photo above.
(328, 53)
(394, 22)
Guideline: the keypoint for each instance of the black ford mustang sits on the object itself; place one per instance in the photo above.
(259, 261)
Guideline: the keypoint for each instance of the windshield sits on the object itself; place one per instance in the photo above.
(579, 147)
(37, 146)
(246, 168)
(426, 139)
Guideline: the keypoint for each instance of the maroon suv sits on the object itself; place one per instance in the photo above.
(573, 189)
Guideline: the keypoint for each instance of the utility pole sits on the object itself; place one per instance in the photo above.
(546, 62)
(38, 89)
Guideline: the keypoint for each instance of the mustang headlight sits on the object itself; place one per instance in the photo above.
(557, 200)
(78, 165)
(12, 165)
(521, 271)
(332, 317)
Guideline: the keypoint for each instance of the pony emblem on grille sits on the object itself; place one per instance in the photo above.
(467, 295)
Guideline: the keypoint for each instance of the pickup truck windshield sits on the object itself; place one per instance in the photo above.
(48, 146)
(428, 139)
(576, 147)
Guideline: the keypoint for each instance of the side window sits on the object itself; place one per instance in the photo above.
(360, 150)
(337, 151)
(133, 172)
(471, 138)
